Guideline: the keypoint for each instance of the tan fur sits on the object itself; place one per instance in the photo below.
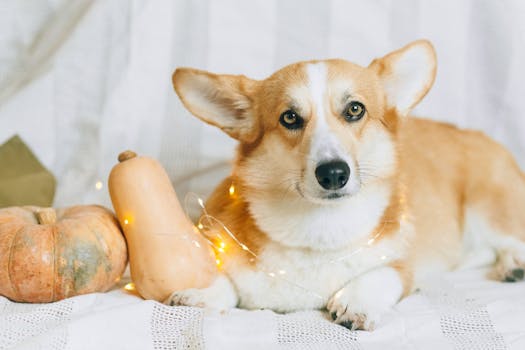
(437, 177)
(232, 210)
(447, 170)
(478, 171)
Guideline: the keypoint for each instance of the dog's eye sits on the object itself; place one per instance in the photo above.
(291, 120)
(354, 111)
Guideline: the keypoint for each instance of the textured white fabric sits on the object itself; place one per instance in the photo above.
(462, 311)
(82, 80)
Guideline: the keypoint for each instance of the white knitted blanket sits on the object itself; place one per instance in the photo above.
(462, 311)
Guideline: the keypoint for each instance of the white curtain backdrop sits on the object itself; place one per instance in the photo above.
(82, 80)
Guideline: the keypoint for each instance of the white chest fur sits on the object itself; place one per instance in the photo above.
(321, 227)
(314, 250)
(288, 279)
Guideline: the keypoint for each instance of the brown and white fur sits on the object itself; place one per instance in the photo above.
(422, 197)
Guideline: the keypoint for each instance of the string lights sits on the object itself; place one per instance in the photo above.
(211, 228)
(219, 237)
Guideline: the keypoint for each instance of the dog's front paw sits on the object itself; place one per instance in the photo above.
(187, 297)
(352, 312)
(362, 302)
(219, 295)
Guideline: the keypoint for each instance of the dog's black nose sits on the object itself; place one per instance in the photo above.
(332, 175)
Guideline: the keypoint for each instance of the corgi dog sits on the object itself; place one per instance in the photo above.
(339, 199)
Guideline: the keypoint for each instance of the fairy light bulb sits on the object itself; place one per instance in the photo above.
(200, 226)
(98, 185)
(128, 219)
(130, 287)
(231, 190)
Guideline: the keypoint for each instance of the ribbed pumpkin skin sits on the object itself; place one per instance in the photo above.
(84, 251)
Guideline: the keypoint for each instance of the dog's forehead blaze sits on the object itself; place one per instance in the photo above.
(291, 87)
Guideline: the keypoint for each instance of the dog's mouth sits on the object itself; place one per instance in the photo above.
(335, 195)
(322, 198)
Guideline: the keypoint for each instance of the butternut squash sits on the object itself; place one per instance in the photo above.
(166, 252)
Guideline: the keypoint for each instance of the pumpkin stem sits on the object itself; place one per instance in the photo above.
(126, 155)
(46, 216)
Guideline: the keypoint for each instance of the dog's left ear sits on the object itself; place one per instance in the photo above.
(220, 100)
(406, 74)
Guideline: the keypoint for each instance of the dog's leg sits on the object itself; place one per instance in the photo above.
(495, 206)
(220, 295)
(361, 303)
(489, 242)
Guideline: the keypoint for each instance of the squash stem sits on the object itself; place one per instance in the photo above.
(126, 155)
(46, 216)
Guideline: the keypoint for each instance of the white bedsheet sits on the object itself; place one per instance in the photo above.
(461, 311)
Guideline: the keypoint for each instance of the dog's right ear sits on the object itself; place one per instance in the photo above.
(407, 74)
(220, 100)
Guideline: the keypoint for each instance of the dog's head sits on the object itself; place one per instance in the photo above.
(318, 130)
